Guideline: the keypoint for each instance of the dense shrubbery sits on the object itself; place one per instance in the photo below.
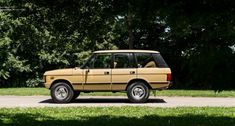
(195, 37)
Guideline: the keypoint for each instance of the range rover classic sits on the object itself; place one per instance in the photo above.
(135, 72)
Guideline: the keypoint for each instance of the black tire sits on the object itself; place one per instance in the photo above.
(62, 93)
(138, 92)
(76, 94)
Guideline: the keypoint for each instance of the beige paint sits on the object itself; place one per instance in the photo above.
(120, 78)
(153, 74)
(129, 51)
(96, 79)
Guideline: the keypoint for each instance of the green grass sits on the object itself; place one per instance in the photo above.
(192, 93)
(24, 91)
(118, 116)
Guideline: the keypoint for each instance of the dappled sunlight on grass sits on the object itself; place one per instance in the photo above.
(117, 116)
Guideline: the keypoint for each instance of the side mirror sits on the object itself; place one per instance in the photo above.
(139, 65)
(87, 69)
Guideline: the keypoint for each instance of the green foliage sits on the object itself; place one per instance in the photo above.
(34, 82)
(41, 37)
(194, 37)
(9, 61)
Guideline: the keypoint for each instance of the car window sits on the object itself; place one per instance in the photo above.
(160, 61)
(123, 60)
(145, 60)
(100, 61)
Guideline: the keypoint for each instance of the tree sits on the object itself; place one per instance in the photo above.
(48, 36)
(196, 38)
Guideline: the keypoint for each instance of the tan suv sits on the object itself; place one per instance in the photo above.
(135, 72)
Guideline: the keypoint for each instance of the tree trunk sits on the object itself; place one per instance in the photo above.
(131, 36)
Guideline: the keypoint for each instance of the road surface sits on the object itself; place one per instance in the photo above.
(106, 101)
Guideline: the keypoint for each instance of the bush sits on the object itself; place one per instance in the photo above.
(33, 82)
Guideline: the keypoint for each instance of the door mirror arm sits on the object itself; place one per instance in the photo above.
(88, 69)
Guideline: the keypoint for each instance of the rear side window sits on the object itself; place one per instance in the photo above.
(159, 60)
(123, 60)
(145, 60)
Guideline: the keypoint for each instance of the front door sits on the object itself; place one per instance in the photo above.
(123, 70)
(97, 76)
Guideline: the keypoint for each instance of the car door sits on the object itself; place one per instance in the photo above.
(123, 70)
(97, 75)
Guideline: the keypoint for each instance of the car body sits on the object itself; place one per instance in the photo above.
(134, 71)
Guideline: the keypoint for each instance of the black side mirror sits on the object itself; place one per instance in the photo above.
(139, 66)
(88, 69)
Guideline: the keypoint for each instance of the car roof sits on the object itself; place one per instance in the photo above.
(130, 51)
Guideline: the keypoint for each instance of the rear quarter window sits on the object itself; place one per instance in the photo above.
(145, 60)
(159, 60)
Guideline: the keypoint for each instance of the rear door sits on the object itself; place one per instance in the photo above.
(124, 70)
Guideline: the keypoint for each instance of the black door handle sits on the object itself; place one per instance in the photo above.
(106, 73)
(132, 72)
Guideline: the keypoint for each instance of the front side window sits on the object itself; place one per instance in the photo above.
(145, 60)
(100, 61)
(123, 60)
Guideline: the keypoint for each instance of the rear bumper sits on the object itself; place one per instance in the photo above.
(171, 83)
(164, 86)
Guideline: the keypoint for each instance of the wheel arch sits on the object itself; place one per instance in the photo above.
(138, 79)
(61, 80)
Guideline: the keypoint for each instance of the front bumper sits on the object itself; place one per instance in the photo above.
(42, 84)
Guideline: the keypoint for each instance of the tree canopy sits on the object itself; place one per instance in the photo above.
(196, 38)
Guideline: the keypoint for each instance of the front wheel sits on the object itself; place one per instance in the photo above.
(61, 93)
(138, 92)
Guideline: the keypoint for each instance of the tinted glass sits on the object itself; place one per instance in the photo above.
(145, 60)
(100, 61)
(159, 60)
(122, 60)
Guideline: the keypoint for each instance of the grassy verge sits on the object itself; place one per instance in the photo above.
(192, 93)
(24, 91)
(116, 116)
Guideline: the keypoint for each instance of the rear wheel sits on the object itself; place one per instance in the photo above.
(62, 93)
(138, 92)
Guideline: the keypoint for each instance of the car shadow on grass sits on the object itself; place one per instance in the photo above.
(105, 100)
(37, 119)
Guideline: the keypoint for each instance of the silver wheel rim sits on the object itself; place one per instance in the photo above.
(61, 92)
(138, 92)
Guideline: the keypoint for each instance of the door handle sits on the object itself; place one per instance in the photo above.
(132, 72)
(106, 73)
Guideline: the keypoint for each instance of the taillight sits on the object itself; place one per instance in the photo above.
(168, 77)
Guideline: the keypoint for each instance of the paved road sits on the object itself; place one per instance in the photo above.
(101, 101)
